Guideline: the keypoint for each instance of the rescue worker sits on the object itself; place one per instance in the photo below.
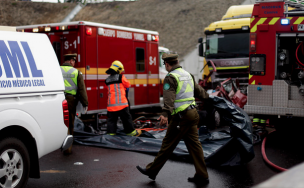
(117, 101)
(74, 90)
(180, 91)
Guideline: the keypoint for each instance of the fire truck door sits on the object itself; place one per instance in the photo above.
(141, 70)
(153, 73)
(57, 45)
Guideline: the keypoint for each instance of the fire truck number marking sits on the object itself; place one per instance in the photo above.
(301, 27)
(66, 44)
(152, 60)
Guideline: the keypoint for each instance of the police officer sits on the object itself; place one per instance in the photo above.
(180, 91)
(118, 106)
(74, 90)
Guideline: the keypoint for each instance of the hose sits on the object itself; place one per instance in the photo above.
(138, 118)
(265, 156)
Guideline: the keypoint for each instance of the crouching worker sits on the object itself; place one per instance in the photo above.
(117, 101)
(180, 91)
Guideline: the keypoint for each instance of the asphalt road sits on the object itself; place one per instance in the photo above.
(116, 169)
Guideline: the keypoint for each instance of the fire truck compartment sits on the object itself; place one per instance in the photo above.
(285, 95)
(281, 98)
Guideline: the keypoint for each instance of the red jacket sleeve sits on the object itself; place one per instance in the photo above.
(125, 82)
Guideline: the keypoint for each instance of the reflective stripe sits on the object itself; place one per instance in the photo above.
(256, 120)
(110, 105)
(66, 75)
(133, 133)
(119, 94)
(115, 93)
(254, 28)
(299, 20)
(274, 20)
(262, 121)
(109, 95)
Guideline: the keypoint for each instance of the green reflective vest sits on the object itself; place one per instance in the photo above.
(185, 90)
(70, 75)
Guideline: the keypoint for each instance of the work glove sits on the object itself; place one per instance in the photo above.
(85, 109)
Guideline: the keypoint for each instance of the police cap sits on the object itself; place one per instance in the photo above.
(169, 57)
(68, 57)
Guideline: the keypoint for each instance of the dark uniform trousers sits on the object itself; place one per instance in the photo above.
(72, 104)
(187, 131)
(125, 117)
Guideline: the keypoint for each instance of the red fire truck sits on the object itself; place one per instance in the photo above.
(276, 60)
(97, 46)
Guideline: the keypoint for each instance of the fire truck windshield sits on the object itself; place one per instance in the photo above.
(227, 45)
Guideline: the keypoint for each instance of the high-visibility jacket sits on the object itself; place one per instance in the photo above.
(117, 99)
(70, 75)
(185, 90)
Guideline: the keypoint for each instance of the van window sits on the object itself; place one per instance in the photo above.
(140, 59)
(56, 46)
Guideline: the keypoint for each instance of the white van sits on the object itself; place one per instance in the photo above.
(33, 110)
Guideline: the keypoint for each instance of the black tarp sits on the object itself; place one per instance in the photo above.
(230, 147)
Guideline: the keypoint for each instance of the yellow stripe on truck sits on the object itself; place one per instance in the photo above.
(225, 68)
(250, 76)
(254, 28)
(299, 20)
(93, 71)
(274, 20)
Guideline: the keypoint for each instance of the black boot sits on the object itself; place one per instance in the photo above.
(198, 180)
(144, 172)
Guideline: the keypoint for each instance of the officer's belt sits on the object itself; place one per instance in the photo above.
(189, 107)
(70, 95)
(180, 114)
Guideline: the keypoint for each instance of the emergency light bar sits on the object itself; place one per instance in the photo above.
(47, 29)
(285, 21)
